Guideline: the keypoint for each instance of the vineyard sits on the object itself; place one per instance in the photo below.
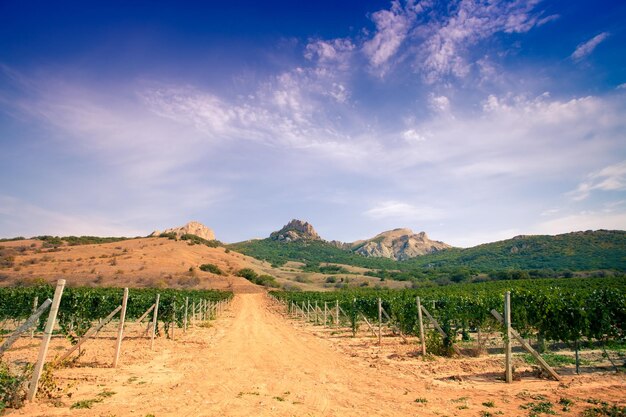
(570, 311)
(78, 314)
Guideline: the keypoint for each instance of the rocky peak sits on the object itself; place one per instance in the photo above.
(191, 228)
(399, 244)
(295, 230)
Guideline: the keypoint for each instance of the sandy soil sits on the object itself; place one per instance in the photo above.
(255, 361)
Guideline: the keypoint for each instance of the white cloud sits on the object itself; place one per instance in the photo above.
(392, 27)
(20, 218)
(586, 48)
(335, 53)
(622, 86)
(398, 210)
(412, 136)
(445, 41)
(582, 221)
(439, 103)
(610, 178)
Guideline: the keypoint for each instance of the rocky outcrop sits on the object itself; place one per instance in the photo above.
(399, 244)
(295, 230)
(191, 228)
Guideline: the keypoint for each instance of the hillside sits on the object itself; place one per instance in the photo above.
(140, 262)
(578, 251)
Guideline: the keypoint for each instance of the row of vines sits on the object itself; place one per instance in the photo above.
(81, 306)
(565, 310)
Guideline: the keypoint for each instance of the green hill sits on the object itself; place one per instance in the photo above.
(577, 251)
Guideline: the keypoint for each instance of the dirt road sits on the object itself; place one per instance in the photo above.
(254, 362)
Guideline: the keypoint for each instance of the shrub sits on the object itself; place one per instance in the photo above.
(214, 269)
(12, 388)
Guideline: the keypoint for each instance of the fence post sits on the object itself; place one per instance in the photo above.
(185, 318)
(35, 304)
(154, 320)
(120, 332)
(336, 313)
(47, 334)
(508, 372)
(421, 323)
(380, 319)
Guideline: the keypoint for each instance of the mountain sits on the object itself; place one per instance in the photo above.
(191, 228)
(577, 251)
(398, 244)
(294, 231)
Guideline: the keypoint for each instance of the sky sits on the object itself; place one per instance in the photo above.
(474, 121)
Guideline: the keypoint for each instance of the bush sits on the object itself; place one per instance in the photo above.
(214, 269)
(265, 280)
(247, 273)
(12, 388)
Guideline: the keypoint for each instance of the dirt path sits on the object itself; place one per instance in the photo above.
(254, 362)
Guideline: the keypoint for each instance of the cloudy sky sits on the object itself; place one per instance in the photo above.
(474, 121)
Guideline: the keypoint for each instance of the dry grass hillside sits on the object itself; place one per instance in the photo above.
(153, 262)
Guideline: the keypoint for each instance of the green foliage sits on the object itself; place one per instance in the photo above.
(252, 276)
(78, 240)
(606, 410)
(197, 240)
(560, 309)
(518, 258)
(214, 269)
(81, 306)
(12, 389)
(12, 239)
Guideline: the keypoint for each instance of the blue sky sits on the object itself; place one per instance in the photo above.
(474, 121)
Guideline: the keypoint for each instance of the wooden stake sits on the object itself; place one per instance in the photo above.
(25, 326)
(120, 331)
(35, 303)
(145, 314)
(185, 317)
(325, 313)
(421, 323)
(393, 326)
(47, 334)
(528, 348)
(440, 330)
(368, 324)
(508, 360)
(337, 313)
(154, 320)
(92, 330)
(173, 319)
(380, 320)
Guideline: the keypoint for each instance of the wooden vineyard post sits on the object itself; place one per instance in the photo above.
(154, 320)
(529, 348)
(380, 320)
(336, 313)
(193, 312)
(185, 317)
(316, 314)
(30, 322)
(173, 319)
(440, 330)
(35, 303)
(508, 371)
(325, 313)
(92, 331)
(120, 332)
(47, 334)
(421, 324)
